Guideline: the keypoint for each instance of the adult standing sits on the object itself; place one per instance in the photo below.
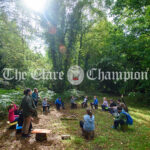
(28, 107)
(35, 96)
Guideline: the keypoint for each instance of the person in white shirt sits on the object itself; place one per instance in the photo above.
(45, 105)
(84, 103)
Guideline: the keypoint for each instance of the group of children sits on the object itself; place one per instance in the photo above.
(27, 108)
(119, 110)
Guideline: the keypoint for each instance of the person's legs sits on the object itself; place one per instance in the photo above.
(103, 107)
(26, 125)
(82, 104)
(81, 124)
(72, 106)
(117, 122)
(57, 106)
(96, 106)
(48, 108)
(92, 105)
(63, 105)
(121, 122)
(43, 108)
(35, 102)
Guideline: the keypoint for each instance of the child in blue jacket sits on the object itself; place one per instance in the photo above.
(95, 103)
(59, 103)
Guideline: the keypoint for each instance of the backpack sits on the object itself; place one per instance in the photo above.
(129, 118)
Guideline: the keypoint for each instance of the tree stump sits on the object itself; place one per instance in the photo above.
(41, 137)
(41, 134)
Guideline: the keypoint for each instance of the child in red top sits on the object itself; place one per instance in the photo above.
(16, 112)
(11, 116)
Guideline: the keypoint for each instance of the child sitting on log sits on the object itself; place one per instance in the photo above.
(59, 103)
(73, 104)
(88, 125)
(95, 103)
(113, 107)
(45, 105)
(11, 116)
(105, 104)
(84, 103)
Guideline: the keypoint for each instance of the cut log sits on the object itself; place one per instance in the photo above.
(72, 117)
(41, 134)
(65, 137)
(68, 118)
(41, 137)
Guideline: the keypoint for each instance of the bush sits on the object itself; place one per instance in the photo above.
(67, 94)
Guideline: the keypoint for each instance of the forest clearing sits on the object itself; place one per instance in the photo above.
(74, 74)
(106, 138)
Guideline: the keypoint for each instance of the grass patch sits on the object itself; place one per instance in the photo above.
(107, 138)
(135, 138)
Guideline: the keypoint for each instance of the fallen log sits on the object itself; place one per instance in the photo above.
(68, 119)
(65, 137)
(72, 117)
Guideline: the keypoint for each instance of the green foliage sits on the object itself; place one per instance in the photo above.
(77, 32)
(7, 97)
(66, 95)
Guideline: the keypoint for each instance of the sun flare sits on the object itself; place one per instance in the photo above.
(36, 5)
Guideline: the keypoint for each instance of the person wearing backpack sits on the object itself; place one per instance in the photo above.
(129, 118)
(121, 119)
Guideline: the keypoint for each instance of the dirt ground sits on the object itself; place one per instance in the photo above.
(9, 140)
